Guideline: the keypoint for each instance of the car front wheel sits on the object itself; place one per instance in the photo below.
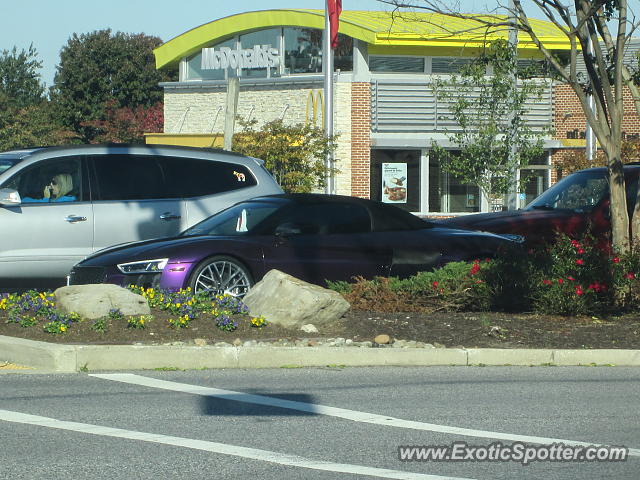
(221, 275)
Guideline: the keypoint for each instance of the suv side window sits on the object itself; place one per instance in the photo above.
(55, 180)
(190, 177)
(127, 177)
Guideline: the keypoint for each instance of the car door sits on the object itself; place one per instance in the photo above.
(326, 241)
(129, 200)
(42, 238)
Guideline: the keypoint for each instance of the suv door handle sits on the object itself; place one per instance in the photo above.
(170, 216)
(75, 218)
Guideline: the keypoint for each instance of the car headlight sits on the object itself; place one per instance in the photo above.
(144, 266)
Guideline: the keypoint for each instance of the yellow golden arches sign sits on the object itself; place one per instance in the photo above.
(315, 106)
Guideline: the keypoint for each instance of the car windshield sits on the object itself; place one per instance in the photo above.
(580, 192)
(241, 219)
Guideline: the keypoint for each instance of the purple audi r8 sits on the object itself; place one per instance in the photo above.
(313, 237)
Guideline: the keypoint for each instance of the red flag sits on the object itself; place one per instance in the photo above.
(334, 7)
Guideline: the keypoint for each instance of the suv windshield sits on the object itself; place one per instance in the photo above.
(581, 192)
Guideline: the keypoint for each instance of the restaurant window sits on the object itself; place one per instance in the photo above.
(302, 50)
(262, 38)
(533, 182)
(447, 193)
(196, 72)
(395, 178)
(534, 179)
(343, 54)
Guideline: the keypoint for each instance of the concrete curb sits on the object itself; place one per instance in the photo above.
(75, 358)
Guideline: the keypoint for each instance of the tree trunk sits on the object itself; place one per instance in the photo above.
(635, 215)
(635, 223)
(618, 205)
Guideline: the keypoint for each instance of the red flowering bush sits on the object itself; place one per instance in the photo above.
(572, 279)
(625, 273)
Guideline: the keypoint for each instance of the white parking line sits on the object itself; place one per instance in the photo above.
(215, 447)
(346, 414)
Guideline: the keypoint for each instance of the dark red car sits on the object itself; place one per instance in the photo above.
(577, 203)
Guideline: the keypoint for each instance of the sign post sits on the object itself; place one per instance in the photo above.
(233, 90)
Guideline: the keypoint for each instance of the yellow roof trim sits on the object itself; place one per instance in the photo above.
(374, 28)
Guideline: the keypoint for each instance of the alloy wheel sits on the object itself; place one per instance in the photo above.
(222, 277)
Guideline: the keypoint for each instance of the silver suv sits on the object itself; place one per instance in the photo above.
(59, 204)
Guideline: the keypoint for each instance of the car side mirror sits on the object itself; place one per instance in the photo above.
(288, 229)
(9, 197)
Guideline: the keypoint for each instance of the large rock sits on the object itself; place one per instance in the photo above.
(95, 301)
(285, 300)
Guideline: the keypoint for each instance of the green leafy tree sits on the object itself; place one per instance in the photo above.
(98, 67)
(31, 126)
(20, 81)
(294, 154)
(26, 115)
(490, 117)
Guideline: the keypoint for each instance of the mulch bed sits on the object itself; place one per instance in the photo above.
(479, 329)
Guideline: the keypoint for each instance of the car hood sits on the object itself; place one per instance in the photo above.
(520, 222)
(177, 248)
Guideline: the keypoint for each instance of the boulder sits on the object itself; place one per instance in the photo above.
(95, 301)
(287, 301)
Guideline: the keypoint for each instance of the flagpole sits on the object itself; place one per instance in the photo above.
(327, 67)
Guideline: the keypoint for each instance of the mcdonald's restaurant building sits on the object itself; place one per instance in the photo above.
(386, 114)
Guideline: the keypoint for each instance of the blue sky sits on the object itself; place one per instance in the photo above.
(48, 24)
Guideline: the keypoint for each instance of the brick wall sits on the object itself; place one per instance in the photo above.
(360, 139)
(570, 121)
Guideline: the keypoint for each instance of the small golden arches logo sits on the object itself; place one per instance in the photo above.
(315, 108)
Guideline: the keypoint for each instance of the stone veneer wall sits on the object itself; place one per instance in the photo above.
(202, 110)
(342, 126)
(360, 139)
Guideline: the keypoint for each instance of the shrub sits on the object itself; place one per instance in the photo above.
(575, 279)
(625, 274)
(508, 277)
(454, 287)
(568, 277)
